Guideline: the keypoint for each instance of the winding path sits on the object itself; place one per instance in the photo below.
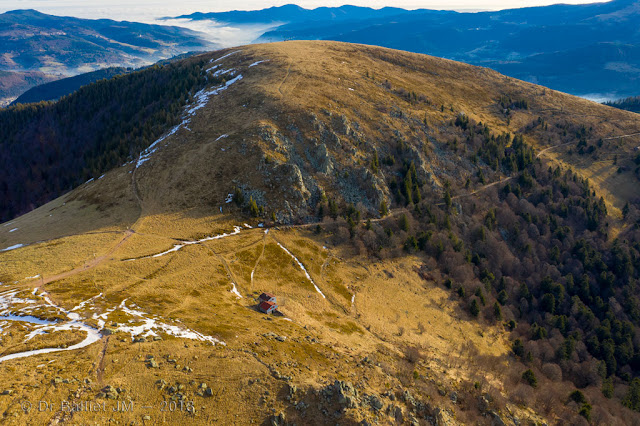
(88, 265)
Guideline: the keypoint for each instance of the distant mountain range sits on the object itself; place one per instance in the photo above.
(31, 41)
(292, 13)
(591, 49)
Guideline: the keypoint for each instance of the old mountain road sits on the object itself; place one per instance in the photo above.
(538, 155)
(285, 77)
(89, 264)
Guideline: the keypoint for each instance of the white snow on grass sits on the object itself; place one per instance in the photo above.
(150, 326)
(222, 137)
(92, 336)
(246, 225)
(225, 56)
(351, 89)
(201, 100)
(176, 247)
(353, 299)
(13, 247)
(25, 318)
(83, 304)
(229, 199)
(13, 230)
(202, 97)
(258, 63)
(140, 323)
(33, 277)
(144, 155)
(235, 291)
(100, 177)
(90, 180)
(223, 72)
(41, 326)
(303, 269)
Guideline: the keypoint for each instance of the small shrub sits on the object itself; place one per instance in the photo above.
(530, 378)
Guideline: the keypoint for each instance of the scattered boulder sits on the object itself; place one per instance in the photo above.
(344, 392)
(278, 420)
(496, 420)
(444, 418)
(109, 392)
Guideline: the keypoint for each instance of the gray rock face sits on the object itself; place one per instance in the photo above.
(343, 392)
(444, 418)
(341, 125)
(496, 420)
(320, 158)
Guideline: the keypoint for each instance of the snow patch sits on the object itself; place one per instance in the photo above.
(201, 100)
(222, 72)
(303, 269)
(222, 137)
(150, 326)
(92, 336)
(258, 63)
(25, 318)
(235, 291)
(176, 247)
(227, 55)
(13, 230)
(13, 247)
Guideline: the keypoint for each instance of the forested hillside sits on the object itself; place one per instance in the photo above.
(629, 104)
(533, 254)
(48, 148)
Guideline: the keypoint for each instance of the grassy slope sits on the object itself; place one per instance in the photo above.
(176, 195)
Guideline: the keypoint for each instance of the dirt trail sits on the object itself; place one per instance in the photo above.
(101, 357)
(538, 155)
(255, 266)
(285, 77)
(88, 265)
(482, 188)
(622, 136)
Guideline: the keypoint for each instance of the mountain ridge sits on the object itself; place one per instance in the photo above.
(441, 240)
(504, 40)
